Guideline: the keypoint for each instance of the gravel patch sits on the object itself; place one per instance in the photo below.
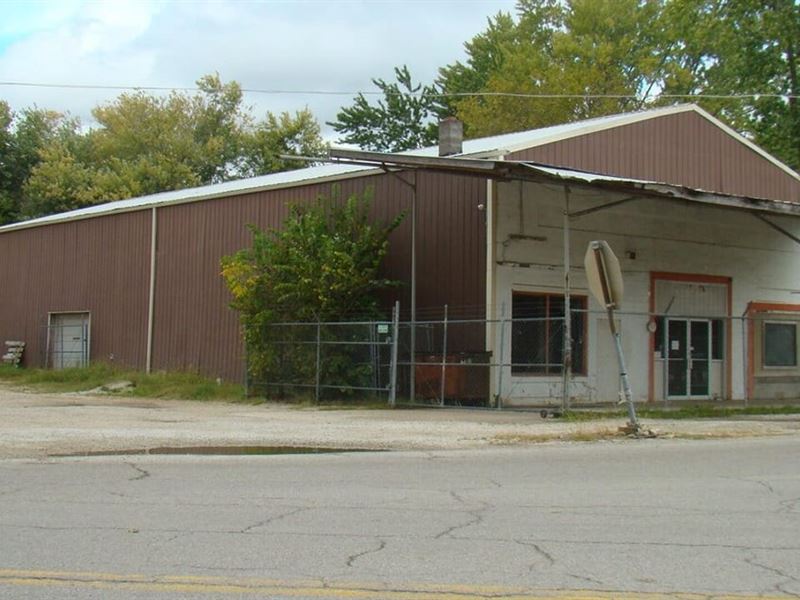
(34, 425)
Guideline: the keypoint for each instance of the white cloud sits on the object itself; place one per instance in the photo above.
(24, 17)
(333, 45)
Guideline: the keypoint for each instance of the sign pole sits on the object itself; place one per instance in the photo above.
(567, 341)
(623, 372)
(604, 276)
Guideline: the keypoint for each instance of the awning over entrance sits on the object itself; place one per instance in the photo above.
(506, 170)
(705, 326)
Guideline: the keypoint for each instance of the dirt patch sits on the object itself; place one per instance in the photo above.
(584, 435)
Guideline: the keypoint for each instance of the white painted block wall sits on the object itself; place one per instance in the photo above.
(670, 236)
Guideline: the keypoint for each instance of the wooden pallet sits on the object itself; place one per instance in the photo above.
(14, 350)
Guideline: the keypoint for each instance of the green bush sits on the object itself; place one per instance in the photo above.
(323, 265)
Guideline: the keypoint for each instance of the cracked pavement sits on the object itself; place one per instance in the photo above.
(658, 518)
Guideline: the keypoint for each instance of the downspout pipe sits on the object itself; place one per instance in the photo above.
(152, 294)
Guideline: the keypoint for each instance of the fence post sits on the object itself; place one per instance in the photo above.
(444, 359)
(745, 363)
(499, 397)
(316, 382)
(393, 364)
(567, 343)
(246, 372)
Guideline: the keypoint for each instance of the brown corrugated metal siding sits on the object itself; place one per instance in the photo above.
(195, 329)
(683, 148)
(99, 265)
(102, 264)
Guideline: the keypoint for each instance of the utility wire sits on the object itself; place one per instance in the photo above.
(150, 88)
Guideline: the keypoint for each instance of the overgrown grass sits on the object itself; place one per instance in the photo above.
(703, 411)
(177, 385)
(699, 411)
(564, 436)
(343, 403)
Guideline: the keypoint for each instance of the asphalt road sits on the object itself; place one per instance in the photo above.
(653, 518)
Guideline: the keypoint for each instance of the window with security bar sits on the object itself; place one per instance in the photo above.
(537, 334)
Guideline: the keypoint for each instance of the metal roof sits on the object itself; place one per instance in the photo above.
(314, 174)
(488, 147)
(668, 191)
(530, 171)
(499, 145)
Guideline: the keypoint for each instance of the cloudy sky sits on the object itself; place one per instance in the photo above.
(327, 45)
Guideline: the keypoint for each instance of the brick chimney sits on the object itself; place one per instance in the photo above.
(451, 136)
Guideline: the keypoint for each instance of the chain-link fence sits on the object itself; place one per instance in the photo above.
(522, 360)
(341, 360)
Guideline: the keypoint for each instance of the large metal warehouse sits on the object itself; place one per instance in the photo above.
(141, 277)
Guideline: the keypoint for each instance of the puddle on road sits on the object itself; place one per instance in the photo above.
(99, 404)
(218, 451)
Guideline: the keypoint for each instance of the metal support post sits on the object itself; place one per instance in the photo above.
(246, 372)
(151, 303)
(412, 377)
(319, 364)
(501, 367)
(745, 365)
(393, 364)
(444, 358)
(567, 344)
(623, 373)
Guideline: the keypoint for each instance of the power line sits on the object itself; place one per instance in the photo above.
(276, 92)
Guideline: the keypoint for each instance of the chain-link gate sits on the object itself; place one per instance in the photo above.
(348, 359)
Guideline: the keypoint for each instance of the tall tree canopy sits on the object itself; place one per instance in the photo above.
(23, 137)
(143, 144)
(741, 47)
(586, 58)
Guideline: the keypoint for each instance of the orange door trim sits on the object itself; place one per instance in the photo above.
(693, 278)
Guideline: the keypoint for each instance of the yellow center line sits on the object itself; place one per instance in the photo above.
(318, 589)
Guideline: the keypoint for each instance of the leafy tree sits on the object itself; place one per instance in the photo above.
(63, 180)
(486, 53)
(405, 118)
(727, 47)
(555, 49)
(577, 59)
(7, 204)
(22, 138)
(278, 136)
(144, 144)
(322, 265)
(197, 138)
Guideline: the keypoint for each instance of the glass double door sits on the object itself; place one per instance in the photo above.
(688, 358)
